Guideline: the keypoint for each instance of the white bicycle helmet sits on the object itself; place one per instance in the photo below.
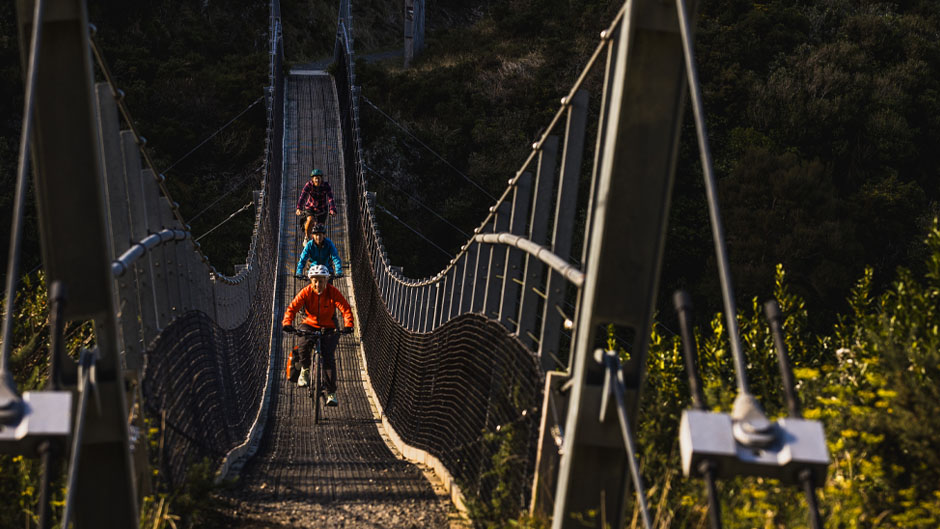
(318, 270)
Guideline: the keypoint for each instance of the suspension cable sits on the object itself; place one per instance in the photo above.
(711, 190)
(141, 141)
(416, 232)
(409, 195)
(230, 217)
(223, 195)
(439, 157)
(11, 407)
(214, 134)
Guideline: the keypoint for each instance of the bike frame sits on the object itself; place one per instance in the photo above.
(316, 366)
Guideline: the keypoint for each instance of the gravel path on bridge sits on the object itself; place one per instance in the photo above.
(340, 472)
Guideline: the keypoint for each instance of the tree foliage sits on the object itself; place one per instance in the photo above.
(823, 118)
(872, 379)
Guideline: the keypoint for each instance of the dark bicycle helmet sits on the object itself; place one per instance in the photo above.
(316, 172)
(318, 228)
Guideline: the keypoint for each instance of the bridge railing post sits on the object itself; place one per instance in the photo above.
(412, 307)
(444, 298)
(144, 274)
(434, 298)
(565, 207)
(129, 333)
(170, 259)
(496, 262)
(624, 244)
(400, 299)
(533, 269)
(456, 286)
(426, 308)
(453, 301)
(407, 297)
(512, 273)
(469, 278)
(152, 198)
(422, 307)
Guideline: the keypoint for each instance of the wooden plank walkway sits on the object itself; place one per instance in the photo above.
(340, 472)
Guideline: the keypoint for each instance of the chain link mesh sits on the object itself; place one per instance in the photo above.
(203, 384)
(468, 393)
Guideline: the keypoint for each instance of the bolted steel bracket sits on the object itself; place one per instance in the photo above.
(798, 445)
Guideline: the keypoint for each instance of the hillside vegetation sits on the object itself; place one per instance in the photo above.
(823, 119)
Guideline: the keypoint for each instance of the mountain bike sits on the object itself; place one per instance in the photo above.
(316, 366)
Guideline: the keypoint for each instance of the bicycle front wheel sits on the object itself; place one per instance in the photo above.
(316, 387)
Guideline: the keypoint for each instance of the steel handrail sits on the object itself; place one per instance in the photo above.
(572, 273)
(120, 265)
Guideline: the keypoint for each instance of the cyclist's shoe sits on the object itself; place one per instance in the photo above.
(331, 399)
(302, 380)
(305, 241)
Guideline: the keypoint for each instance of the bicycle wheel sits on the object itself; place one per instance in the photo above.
(317, 386)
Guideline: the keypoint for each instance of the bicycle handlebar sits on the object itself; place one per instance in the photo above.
(323, 331)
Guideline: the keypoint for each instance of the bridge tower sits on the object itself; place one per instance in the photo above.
(76, 249)
(414, 29)
(644, 96)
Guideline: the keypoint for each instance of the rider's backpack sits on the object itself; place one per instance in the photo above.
(293, 364)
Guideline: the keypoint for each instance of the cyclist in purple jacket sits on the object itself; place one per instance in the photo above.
(316, 201)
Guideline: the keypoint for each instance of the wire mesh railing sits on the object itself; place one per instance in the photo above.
(458, 360)
(164, 299)
(203, 382)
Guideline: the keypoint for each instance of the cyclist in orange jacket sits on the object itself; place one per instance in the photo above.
(319, 300)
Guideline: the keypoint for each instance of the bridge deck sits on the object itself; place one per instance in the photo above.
(339, 473)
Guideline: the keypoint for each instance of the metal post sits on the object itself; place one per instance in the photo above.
(565, 206)
(423, 298)
(624, 251)
(161, 288)
(430, 306)
(512, 275)
(427, 310)
(496, 264)
(143, 269)
(478, 276)
(414, 313)
(444, 305)
(401, 300)
(538, 230)
(414, 300)
(171, 259)
(73, 234)
(126, 304)
(456, 279)
(466, 286)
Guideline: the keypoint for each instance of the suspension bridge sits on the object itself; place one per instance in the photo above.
(492, 375)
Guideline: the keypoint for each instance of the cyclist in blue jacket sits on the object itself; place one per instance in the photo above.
(320, 251)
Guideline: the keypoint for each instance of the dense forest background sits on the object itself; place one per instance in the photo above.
(824, 119)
